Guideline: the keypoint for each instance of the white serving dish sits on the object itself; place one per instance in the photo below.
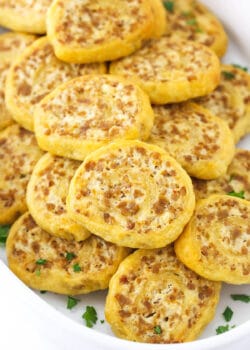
(30, 320)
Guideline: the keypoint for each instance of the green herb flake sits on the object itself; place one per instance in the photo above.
(77, 268)
(245, 69)
(228, 314)
(43, 291)
(187, 14)
(241, 297)
(157, 330)
(192, 22)
(41, 261)
(102, 321)
(169, 5)
(4, 230)
(228, 75)
(222, 329)
(70, 256)
(240, 194)
(38, 272)
(72, 302)
(90, 316)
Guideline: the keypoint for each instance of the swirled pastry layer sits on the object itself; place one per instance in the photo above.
(19, 153)
(154, 298)
(236, 180)
(132, 194)
(191, 20)
(11, 44)
(88, 112)
(171, 70)
(199, 141)
(46, 197)
(35, 74)
(45, 262)
(24, 15)
(231, 100)
(215, 243)
(97, 30)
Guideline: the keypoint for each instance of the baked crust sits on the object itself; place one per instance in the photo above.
(96, 259)
(199, 141)
(46, 197)
(35, 74)
(88, 112)
(154, 298)
(19, 153)
(170, 70)
(215, 243)
(132, 194)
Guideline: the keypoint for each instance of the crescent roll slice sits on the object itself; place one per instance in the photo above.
(45, 262)
(97, 30)
(24, 15)
(171, 70)
(199, 141)
(154, 298)
(189, 19)
(231, 100)
(46, 197)
(132, 194)
(215, 243)
(11, 44)
(34, 75)
(88, 112)
(19, 153)
(236, 180)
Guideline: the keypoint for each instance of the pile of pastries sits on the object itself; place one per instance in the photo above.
(118, 160)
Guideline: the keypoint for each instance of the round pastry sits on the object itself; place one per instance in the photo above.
(132, 194)
(88, 112)
(160, 25)
(19, 153)
(236, 181)
(215, 243)
(154, 298)
(199, 141)
(34, 75)
(53, 264)
(171, 70)
(97, 30)
(46, 197)
(24, 15)
(189, 19)
(11, 44)
(231, 100)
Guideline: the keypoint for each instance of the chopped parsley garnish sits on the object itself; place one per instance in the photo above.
(192, 22)
(43, 291)
(90, 316)
(70, 256)
(72, 302)
(222, 329)
(157, 330)
(241, 297)
(77, 268)
(102, 321)
(38, 272)
(228, 75)
(4, 230)
(228, 314)
(245, 69)
(240, 194)
(169, 5)
(41, 261)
